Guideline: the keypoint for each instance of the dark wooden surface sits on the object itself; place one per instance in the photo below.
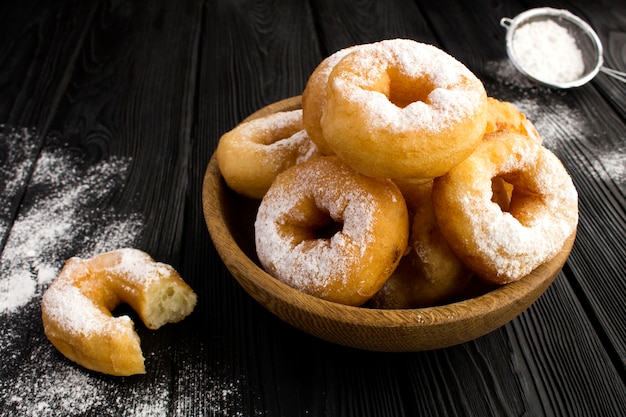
(109, 113)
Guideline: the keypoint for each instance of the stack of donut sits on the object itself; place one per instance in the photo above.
(399, 182)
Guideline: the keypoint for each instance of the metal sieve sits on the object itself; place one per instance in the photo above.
(585, 37)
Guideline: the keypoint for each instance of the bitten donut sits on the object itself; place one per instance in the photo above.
(76, 308)
(503, 246)
(314, 98)
(430, 273)
(403, 110)
(253, 153)
(331, 232)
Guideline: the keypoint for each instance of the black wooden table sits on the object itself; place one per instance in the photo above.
(109, 113)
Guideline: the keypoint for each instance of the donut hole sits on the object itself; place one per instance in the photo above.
(314, 225)
(125, 309)
(514, 193)
(323, 225)
(404, 90)
(501, 192)
(328, 230)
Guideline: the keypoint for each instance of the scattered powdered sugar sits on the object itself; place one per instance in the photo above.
(612, 163)
(63, 214)
(556, 124)
(42, 388)
(211, 392)
(17, 147)
(560, 123)
(505, 73)
(548, 52)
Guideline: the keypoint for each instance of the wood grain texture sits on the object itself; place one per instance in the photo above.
(343, 24)
(36, 58)
(126, 101)
(117, 119)
(118, 107)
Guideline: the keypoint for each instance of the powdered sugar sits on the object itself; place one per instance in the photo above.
(45, 388)
(278, 140)
(67, 306)
(138, 267)
(18, 147)
(264, 129)
(548, 52)
(65, 205)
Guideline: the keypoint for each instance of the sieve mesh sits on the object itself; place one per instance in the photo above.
(586, 40)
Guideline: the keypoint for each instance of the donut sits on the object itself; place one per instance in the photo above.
(504, 115)
(314, 98)
(503, 246)
(331, 232)
(430, 273)
(268, 145)
(404, 110)
(76, 308)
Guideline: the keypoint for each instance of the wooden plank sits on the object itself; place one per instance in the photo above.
(37, 54)
(132, 98)
(250, 56)
(343, 24)
(112, 174)
(149, 82)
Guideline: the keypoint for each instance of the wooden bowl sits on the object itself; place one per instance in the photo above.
(230, 221)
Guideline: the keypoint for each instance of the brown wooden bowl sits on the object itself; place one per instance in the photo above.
(230, 221)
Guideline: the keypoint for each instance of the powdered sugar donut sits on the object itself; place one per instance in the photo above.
(76, 308)
(503, 246)
(268, 145)
(404, 110)
(331, 232)
(314, 98)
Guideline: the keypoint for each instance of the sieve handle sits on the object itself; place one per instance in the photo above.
(619, 75)
(506, 22)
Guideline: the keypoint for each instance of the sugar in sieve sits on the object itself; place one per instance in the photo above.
(555, 47)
